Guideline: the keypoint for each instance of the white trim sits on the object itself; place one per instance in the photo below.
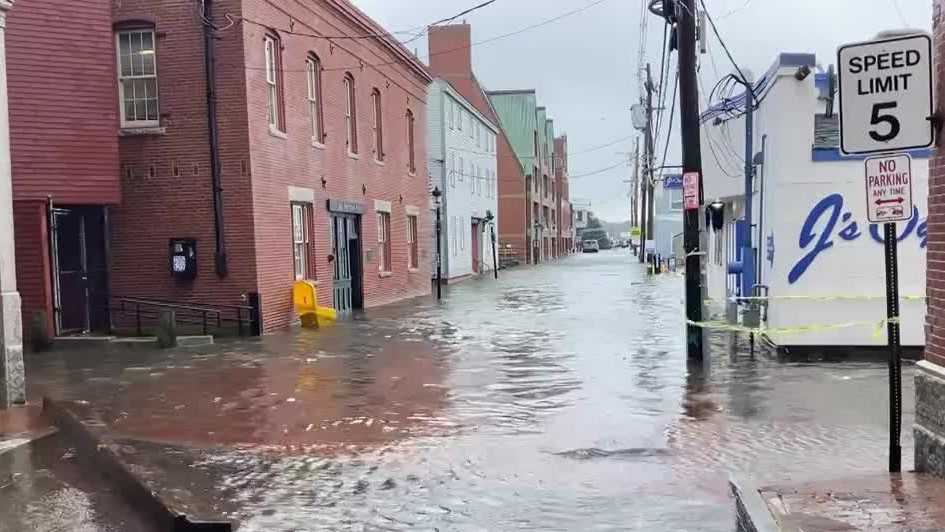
(931, 368)
(411, 210)
(301, 194)
(382, 206)
(121, 86)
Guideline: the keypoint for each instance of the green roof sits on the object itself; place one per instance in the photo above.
(517, 111)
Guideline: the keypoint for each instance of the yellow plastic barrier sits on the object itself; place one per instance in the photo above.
(305, 300)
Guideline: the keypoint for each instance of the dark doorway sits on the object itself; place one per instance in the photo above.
(476, 248)
(347, 270)
(80, 257)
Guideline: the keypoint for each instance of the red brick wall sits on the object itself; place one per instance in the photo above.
(513, 201)
(278, 163)
(161, 205)
(935, 273)
(62, 93)
(33, 270)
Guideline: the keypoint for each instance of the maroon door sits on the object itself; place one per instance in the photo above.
(476, 248)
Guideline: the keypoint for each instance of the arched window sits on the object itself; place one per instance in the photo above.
(313, 71)
(378, 124)
(351, 115)
(411, 145)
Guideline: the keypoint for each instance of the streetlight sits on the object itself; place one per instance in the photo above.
(490, 219)
(439, 261)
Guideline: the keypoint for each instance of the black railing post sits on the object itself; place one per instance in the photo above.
(204, 315)
(138, 318)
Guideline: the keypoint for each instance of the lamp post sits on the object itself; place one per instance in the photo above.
(439, 258)
(490, 219)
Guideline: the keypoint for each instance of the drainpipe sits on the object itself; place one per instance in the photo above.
(210, 70)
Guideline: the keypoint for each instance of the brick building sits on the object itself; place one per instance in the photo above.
(929, 429)
(316, 168)
(64, 150)
(320, 159)
(563, 197)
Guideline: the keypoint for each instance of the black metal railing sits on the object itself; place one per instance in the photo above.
(138, 313)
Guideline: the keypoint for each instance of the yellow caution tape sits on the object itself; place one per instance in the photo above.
(796, 329)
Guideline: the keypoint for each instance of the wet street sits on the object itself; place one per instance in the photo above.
(556, 398)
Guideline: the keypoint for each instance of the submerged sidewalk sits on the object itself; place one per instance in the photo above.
(883, 501)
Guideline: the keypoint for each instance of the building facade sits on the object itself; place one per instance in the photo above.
(565, 219)
(66, 184)
(929, 428)
(818, 258)
(316, 169)
(667, 218)
(462, 164)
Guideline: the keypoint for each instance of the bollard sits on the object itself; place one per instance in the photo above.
(167, 330)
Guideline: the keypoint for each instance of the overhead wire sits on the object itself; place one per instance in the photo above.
(596, 172)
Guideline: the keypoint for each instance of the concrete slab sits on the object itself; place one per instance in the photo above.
(884, 501)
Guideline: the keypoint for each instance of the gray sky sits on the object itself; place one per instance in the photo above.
(584, 67)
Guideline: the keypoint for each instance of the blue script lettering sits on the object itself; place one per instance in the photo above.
(827, 212)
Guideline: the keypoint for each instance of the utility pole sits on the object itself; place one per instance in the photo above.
(634, 207)
(692, 164)
(646, 224)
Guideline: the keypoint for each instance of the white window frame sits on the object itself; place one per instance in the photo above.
(453, 169)
(351, 123)
(314, 93)
(300, 241)
(273, 110)
(385, 264)
(462, 168)
(121, 78)
(377, 111)
(413, 230)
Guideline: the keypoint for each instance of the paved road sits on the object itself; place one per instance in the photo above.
(558, 398)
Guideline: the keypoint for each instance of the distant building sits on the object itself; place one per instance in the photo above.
(462, 164)
(816, 253)
(668, 217)
(565, 236)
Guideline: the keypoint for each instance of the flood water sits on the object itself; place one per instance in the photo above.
(556, 398)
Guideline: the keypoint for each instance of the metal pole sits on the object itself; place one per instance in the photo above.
(634, 212)
(748, 252)
(495, 256)
(439, 257)
(895, 351)
(692, 162)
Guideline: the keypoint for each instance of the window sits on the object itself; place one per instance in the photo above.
(478, 136)
(137, 78)
(313, 71)
(461, 228)
(411, 147)
(453, 169)
(351, 114)
(413, 250)
(274, 106)
(453, 240)
(459, 117)
(471, 127)
(301, 243)
(676, 199)
(449, 113)
(462, 168)
(378, 125)
(383, 242)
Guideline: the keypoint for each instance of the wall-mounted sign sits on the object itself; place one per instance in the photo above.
(672, 181)
(346, 206)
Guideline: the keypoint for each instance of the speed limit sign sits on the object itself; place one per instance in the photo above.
(886, 94)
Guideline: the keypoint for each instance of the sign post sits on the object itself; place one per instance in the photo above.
(886, 107)
(889, 200)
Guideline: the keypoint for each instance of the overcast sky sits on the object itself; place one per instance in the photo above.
(584, 66)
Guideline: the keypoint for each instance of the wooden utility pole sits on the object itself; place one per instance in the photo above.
(692, 165)
(646, 187)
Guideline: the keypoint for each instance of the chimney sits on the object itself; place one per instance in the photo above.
(451, 51)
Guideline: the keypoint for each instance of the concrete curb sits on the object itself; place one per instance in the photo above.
(100, 451)
(751, 511)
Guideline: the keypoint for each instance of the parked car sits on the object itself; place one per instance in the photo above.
(590, 246)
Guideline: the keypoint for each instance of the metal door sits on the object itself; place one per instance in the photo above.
(79, 257)
(341, 277)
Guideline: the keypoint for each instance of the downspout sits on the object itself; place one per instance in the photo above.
(210, 70)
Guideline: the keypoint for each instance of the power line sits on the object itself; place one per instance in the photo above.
(458, 48)
(672, 111)
(663, 75)
(902, 18)
(601, 171)
(715, 30)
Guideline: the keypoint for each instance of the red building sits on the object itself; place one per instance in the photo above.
(563, 196)
(313, 168)
(64, 149)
